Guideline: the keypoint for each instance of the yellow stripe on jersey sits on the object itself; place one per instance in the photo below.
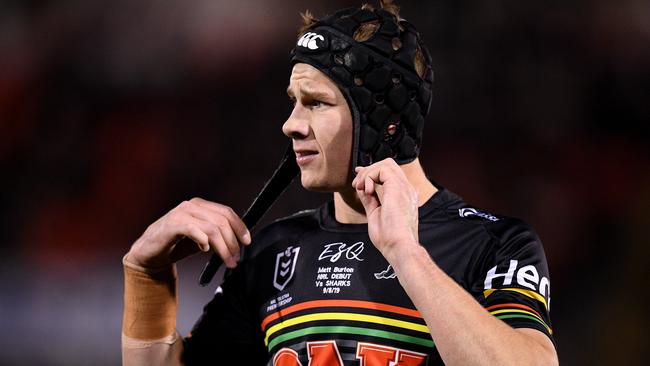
(529, 293)
(345, 316)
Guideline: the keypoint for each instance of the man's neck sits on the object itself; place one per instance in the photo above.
(348, 208)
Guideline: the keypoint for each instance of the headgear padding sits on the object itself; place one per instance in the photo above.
(387, 96)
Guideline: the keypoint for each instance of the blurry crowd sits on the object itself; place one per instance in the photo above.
(113, 112)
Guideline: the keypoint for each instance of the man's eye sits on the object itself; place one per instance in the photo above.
(317, 104)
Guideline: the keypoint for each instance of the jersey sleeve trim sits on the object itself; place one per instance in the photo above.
(532, 294)
(517, 311)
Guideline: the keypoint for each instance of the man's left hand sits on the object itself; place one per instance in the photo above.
(391, 205)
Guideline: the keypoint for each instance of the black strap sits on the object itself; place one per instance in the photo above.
(273, 189)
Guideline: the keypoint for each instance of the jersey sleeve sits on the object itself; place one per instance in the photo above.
(226, 332)
(514, 284)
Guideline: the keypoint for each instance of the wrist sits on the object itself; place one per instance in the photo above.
(129, 260)
(149, 301)
(403, 252)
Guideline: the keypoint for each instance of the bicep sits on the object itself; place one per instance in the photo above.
(547, 353)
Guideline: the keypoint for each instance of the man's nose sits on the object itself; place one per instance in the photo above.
(297, 125)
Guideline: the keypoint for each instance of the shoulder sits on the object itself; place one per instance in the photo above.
(296, 222)
(446, 213)
(500, 228)
(284, 228)
(498, 234)
(507, 239)
(448, 218)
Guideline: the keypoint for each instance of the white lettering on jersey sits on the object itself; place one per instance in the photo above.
(335, 251)
(528, 273)
(492, 274)
(526, 276)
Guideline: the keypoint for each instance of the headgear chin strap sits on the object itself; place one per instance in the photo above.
(274, 187)
(387, 96)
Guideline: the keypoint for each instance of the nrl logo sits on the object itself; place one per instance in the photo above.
(285, 265)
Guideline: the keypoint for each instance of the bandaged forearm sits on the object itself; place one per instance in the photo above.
(149, 302)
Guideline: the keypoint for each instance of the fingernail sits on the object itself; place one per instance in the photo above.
(247, 237)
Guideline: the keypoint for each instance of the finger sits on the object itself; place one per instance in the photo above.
(184, 248)
(396, 171)
(360, 169)
(360, 179)
(369, 186)
(220, 215)
(379, 192)
(226, 245)
(230, 239)
(197, 235)
(386, 170)
(203, 229)
(355, 181)
(238, 226)
(218, 229)
(369, 202)
(219, 246)
(375, 175)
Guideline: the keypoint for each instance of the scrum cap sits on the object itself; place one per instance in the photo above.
(378, 76)
(388, 97)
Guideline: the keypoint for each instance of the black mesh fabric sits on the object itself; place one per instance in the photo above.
(387, 97)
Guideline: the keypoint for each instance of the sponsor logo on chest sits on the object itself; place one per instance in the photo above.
(335, 251)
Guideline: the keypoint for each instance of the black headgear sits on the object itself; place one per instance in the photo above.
(387, 97)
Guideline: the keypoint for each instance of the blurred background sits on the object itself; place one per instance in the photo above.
(113, 112)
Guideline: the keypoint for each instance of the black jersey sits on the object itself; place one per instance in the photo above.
(312, 291)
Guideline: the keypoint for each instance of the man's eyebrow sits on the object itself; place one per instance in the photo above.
(313, 93)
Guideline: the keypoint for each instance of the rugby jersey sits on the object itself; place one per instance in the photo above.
(312, 291)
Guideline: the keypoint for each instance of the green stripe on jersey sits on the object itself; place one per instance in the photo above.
(526, 317)
(351, 330)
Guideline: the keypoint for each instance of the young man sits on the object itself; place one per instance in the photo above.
(393, 271)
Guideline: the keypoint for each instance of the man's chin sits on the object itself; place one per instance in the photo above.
(316, 185)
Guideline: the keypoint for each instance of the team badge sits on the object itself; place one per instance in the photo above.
(285, 265)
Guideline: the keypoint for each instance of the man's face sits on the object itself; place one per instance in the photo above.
(320, 126)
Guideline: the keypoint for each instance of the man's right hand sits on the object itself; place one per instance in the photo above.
(209, 225)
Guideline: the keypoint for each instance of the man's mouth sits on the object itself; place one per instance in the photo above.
(304, 157)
